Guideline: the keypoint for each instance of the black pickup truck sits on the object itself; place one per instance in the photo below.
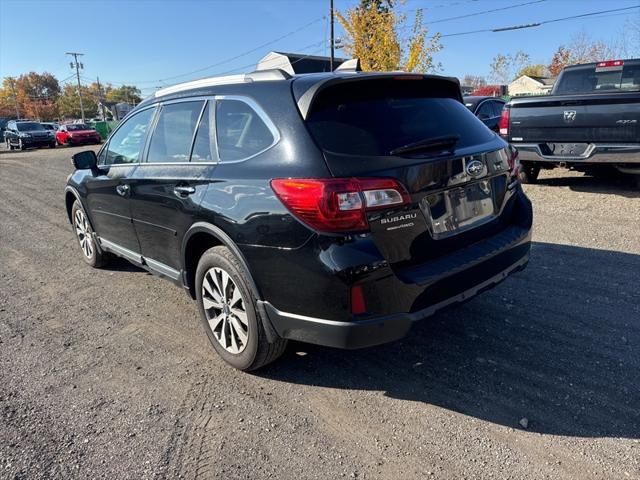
(590, 119)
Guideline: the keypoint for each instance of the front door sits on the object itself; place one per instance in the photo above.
(109, 191)
(168, 187)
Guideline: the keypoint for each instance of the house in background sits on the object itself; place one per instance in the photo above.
(293, 63)
(526, 85)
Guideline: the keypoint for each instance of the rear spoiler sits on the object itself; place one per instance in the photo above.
(307, 88)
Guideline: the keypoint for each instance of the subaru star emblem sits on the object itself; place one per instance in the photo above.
(475, 168)
(569, 116)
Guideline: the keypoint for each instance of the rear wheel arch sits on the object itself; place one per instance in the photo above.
(201, 237)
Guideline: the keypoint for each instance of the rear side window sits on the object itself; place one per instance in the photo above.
(241, 131)
(173, 135)
(376, 116)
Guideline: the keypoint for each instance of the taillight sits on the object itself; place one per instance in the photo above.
(338, 204)
(503, 124)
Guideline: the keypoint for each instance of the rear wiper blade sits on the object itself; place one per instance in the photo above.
(427, 144)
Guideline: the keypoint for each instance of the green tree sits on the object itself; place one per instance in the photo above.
(373, 29)
(69, 102)
(125, 93)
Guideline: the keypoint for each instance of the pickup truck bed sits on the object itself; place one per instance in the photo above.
(580, 129)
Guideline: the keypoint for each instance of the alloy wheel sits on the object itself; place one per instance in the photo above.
(83, 232)
(225, 310)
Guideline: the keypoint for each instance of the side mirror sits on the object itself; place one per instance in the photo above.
(85, 160)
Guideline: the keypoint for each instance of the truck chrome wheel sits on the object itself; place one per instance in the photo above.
(225, 310)
(83, 232)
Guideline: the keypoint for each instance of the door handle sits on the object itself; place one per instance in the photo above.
(123, 190)
(182, 191)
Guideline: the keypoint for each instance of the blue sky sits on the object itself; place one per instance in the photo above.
(147, 42)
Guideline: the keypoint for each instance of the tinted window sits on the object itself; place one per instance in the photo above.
(78, 126)
(585, 80)
(202, 147)
(486, 110)
(127, 142)
(240, 130)
(172, 137)
(497, 108)
(375, 117)
(29, 126)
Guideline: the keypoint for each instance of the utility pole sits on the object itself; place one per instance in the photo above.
(332, 39)
(75, 64)
(15, 98)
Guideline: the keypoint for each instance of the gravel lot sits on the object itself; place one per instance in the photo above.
(107, 374)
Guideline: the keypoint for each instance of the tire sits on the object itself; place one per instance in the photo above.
(248, 353)
(21, 145)
(84, 235)
(52, 145)
(529, 173)
(9, 145)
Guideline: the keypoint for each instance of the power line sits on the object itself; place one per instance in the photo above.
(509, 7)
(534, 24)
(475, 14)
(235, 57)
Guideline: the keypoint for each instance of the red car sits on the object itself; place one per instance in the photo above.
(77, 134)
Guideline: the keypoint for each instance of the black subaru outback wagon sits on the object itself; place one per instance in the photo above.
(331, 208)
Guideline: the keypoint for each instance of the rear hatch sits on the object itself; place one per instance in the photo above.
(414, 129)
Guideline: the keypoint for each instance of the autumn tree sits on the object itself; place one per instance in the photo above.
(582, 49)
(35, 95)
(373, 29)
(560, 59)
(533, 70)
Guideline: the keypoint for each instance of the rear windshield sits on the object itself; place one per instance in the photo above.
(375, 117)
(29, 126)
(78, 126)
(588, 80)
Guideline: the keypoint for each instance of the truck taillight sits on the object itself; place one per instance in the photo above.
(503, 124)
(338, 204)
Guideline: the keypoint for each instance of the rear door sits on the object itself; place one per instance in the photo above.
(108, 191)
(458, 191)
(168, 187)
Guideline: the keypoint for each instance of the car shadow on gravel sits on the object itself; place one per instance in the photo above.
(627, 186)
(557, 344)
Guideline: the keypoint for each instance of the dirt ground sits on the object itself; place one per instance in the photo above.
(107, 373)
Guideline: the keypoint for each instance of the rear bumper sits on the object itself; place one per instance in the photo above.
(397, 298)
(595, 153)
(371, 332)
